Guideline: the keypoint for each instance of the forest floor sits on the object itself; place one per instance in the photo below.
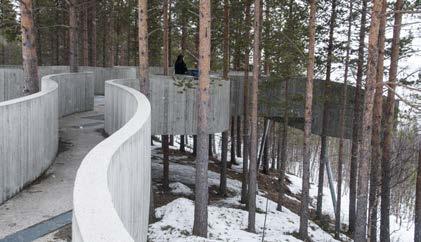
(227, 216)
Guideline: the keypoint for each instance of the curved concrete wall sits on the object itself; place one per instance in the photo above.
(29, 127)
(28, 137)
(75, 92)
(174, 104)
(112, 187)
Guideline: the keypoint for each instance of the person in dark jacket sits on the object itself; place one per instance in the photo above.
(180, 66)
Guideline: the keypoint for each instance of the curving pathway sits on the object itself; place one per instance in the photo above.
(49, 199)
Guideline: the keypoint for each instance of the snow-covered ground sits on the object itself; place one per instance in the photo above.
(227, 218)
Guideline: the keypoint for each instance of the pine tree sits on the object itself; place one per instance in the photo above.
(356, 122)
(224, 151)
(253, 119)
(143, 46)
(200, 226)
(389, 124)
(305, 198)
(376, 136)
(246, 118)
(29, 51)
(73, 37)
(342, 127)
(324, 140)
(364, 156)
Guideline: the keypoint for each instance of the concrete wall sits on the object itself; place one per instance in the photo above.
(112, 187)
(11, 83)
(174, 104)
(102, 74)
(29, 127)
(28, 138)
(75, 92)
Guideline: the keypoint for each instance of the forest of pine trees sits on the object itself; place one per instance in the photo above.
(361, 43)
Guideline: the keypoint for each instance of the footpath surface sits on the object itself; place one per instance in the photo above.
(45, 206)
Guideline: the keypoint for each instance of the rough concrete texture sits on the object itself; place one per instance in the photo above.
(29, 127)
(52, 193)
(28, 138)
(113, 182)
(174, 104)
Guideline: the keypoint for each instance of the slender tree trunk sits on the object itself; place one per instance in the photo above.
(29, 51)
(342, 116)
(233, 161)
(305, 198)
(364, 156)
(165, 138)
(389, 124)
(284, 154)
(165, 38)
(417, 230)
(356, 121)
(143, 46)
(376, 136)
(182, 143)
(73, 39)
(324, 140)
(93, 35)
(85, 36)
(200, 226)
(253, 119)
(210, 153)
(224, 150)
(238, 141)
(166, 162)
(246, 118)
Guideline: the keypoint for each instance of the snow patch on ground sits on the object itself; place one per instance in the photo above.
(179, 188)
(229, 224)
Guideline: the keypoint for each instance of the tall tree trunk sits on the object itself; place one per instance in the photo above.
(73, 39)
(182, 143)
(29, 51)
(324, 140)
(165, 143)
(224, 150)
(233, 161)
(364, 156)
(166, 162)
(253, 119)
(342, 116)
(85, 39)
(238, 141)
(284, 155)
(389, 124)
(200, 226)
(417, 230)
(356, 121)
(93, 35)
(305, 198)
(376, 136)
(246, 118)
(165, 38)
(143, 46)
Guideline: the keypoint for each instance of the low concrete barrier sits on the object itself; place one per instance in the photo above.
(112, 187)
(28, 137)
(29, 127)
(174, 104)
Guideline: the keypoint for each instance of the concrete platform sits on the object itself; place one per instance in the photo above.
(51, 195)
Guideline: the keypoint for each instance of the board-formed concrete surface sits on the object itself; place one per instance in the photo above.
(112, 187)
(174, 104)
(52, 194)
(29, 127)
(28, 137)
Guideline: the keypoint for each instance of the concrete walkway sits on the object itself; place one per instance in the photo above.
(49, 199)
